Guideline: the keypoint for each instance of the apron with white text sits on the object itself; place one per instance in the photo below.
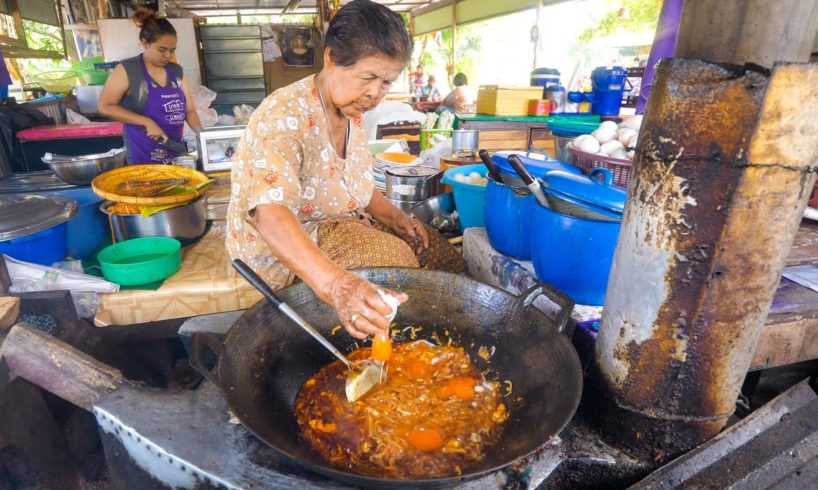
(167, 107)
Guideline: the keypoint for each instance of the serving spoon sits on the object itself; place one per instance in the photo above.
(362, 375)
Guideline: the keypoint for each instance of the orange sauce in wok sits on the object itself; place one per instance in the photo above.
(434, 415)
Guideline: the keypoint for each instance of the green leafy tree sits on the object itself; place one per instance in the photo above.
(623, 16)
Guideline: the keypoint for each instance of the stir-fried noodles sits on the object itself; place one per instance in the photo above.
(434, 415)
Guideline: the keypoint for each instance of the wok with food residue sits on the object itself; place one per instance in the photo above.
(263, 363)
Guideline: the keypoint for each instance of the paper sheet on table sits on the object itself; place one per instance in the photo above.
(805, 275)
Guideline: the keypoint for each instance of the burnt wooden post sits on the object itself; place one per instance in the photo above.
(724, 167)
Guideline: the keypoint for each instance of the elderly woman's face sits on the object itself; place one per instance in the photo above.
(359, 88)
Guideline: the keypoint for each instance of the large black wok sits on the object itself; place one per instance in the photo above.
(265, 359)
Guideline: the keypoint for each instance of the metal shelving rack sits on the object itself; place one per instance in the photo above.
(234, 67)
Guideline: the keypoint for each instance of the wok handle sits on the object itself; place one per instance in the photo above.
(257, 282)
(563, 302)
(205, 345)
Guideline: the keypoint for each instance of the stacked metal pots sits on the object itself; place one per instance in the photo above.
(406, 187)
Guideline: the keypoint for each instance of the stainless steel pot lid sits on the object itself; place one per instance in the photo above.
(417, 171)
(25, 214)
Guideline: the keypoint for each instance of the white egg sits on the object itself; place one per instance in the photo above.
(624, 135)
(629, 154)
(634, 122)
(587, 143)
(602, 154)
(633, 141)
(619, 153)
(608, 124)
(474, 177)
(603, 134)
(460, 177)
(609, 147)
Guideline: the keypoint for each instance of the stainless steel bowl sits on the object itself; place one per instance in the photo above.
(81, 170)
(437, 213)
(185, 223)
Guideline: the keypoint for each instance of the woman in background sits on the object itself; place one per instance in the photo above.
(461, 99)
(149, 94)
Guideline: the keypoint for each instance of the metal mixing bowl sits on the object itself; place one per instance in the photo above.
(81, 169)
(436, 212)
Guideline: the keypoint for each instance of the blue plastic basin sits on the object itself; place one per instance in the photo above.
(469, 199)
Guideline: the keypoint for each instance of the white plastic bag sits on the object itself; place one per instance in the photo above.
(73, 117)
(84, 289)
(242, 113)
(202, 97)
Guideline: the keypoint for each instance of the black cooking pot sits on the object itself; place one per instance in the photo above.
(264, 360)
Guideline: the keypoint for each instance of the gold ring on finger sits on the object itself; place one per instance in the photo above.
(354, 318)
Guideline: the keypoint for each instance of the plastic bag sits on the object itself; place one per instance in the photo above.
(73, 117)
(202, 97)
(84, 289)
(225, 120)
(432, 156)
(243, 113)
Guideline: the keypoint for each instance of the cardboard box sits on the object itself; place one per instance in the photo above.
(497, 100)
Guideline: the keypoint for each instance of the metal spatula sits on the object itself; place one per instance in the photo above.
(362, 375)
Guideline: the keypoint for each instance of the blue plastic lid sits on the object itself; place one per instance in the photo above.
(588, 191)
(608, 71)
(556, 88)
(538, 164)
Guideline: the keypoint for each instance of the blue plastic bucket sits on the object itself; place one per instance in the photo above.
(469, 199)
(609, 85)
(545, 77)
(508, 218)
(573, 254)
(89, 228)
(44, 247)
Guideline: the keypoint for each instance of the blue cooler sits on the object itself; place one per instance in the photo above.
(545, 77)
(609, 85)
(33, 227)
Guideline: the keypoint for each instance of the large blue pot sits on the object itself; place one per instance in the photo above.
(508, 218)
(573, 254)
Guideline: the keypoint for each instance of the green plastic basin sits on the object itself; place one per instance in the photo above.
(140, 261)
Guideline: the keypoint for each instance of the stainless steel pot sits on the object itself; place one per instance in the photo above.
(412, 183)
(465, 139)
(185, 223)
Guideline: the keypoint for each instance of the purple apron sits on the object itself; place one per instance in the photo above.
(167, 107)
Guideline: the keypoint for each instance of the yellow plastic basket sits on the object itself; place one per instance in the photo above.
(151, 185)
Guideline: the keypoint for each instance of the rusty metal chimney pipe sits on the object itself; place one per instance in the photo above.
(720, 181)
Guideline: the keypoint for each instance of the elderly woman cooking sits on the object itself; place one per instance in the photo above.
(303, 200)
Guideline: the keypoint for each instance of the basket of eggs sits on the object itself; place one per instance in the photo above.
(609, 146)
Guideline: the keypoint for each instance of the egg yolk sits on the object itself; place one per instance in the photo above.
(462, 388)
(425, 439)
(381, 348)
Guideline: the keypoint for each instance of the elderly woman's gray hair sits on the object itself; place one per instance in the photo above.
(364, 28)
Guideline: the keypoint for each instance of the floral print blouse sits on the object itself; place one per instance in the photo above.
(285, 157)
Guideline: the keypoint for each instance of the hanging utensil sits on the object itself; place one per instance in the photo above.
(530, 182)
(493, 171)
(362, 375)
